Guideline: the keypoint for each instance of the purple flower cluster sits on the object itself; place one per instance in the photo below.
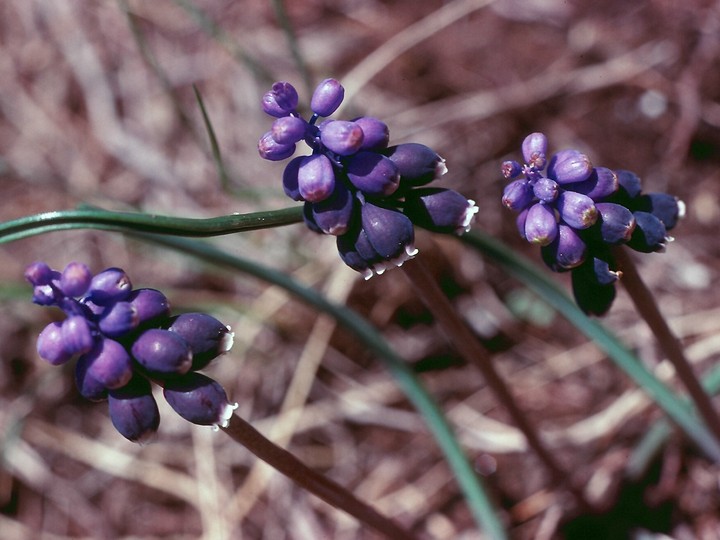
(356, 187)
(576, 212)
(124, 339)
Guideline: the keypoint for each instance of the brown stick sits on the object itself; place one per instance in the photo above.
(329, 491)
(647, 307)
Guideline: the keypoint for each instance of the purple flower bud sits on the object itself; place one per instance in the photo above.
(541, 225)
(440, 210)
(288, 129)
(568, 166)
(601, 184)
(592, 297)
(518, 195)
(373, 174)
(327, 97)
(576, 209)
(271, 150)
(376, 133)
(316, 178)
(309, 219)
(546, 190)
(520, 222)
(88, 386)
(333, 215)
(149, 304)
(39, 273)
(162, 352)
(615, 224)
(511, 169)
(602, 273)
(111, 285)
(629, 182)
(281, 100)
(133, 410)
(290, 178)
(418, 164)
(75, 279)
(342, 137)
(44, 295)
(649, 234)
(207, 337)
(50, 345)
(199, 399)
(389, 232)
(567, 251)
(346, 245)
(118, 319)
(666, 208)
(534, 150)
(77, 335)
(108, 363)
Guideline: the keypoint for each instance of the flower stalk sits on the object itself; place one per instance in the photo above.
(647, 307)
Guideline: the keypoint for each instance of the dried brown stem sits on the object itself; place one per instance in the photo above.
(329, 491)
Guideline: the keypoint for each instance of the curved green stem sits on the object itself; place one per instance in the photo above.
(93, 218)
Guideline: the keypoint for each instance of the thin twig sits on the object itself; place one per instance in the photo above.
(465, 342)
(332, 493)
(647, 307)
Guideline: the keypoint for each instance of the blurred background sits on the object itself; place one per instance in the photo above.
(97, 106)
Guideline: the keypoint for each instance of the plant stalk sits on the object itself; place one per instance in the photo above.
(329, 491)
(648, 309)
(462, 338)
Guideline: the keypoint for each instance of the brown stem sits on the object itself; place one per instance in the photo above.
(461, 337)
(647, 307)
(329, 491)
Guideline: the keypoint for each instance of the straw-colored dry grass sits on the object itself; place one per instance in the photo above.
(96, 106)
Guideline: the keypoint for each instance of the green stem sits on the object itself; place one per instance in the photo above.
(329, 491)
(93, 218)
(464, 341)
(648, 309)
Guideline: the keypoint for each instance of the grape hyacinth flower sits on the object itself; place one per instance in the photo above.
(124, 339)
(356, 187)
(575, 212)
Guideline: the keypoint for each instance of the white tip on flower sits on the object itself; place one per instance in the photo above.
(469, 215)
(681, 209)
(225, 416)
(226, 342)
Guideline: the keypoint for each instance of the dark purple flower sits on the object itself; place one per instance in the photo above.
(649, 234)
(663, 206)
(376, 133)
(50, 345)
(75, 279)
(162, 352)
(601, 184)
(149, 305)
(108, 363)
(389, 232)
(541, 225)
(576, 209)
(440, 210)
(567, 251)
(133, 410)
(342, 137)
(334, 214)
(373, 174)
(288, 129)
(534, 150)
(316, 178)
(111, 285)
(417, 164)
(615, 224)
(518, 195)
(569, 166)
(281, 100)
(327, 97)
(270, 149)
(118, 319)
(198, 399)
(207, 337)
(77, 335)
